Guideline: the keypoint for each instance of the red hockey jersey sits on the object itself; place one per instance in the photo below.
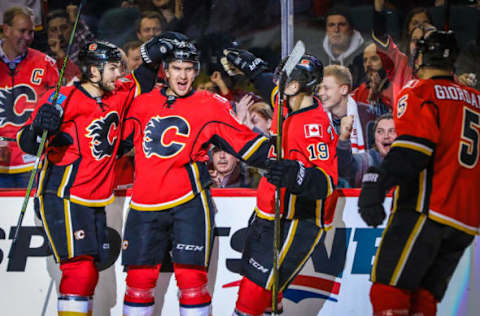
(309, 138)
(20, 89)
(83, 171)
(172, 137)
(447, 116)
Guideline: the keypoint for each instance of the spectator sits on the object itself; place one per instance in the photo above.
(216, 83)
(352, 166)
(377, 90)
(416, 17)
(171, 10)
(25, 75)
(260, 114)
(342, 44)
(337, 102)
(401, 69)
(255, 113)
(59, 26)
(226, 171)
(34, 5)
(58, 34)
(132, 51)
(149, 24)
(203, 82)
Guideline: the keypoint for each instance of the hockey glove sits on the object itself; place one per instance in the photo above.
(370, 202)
(286, 173)
(48, 118)
(156, 50)
(242, 62)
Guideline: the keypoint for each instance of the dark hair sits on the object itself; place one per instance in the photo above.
(406, 34)
(58, 13)
(131, 45)
(340, 10)
(151, 15)
(384, 116)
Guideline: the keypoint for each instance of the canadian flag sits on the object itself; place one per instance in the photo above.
(313, 130)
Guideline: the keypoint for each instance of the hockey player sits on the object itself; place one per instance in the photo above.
(77, 178)
(434, 165)
(307, 176)
(171, 206)
(25, 75)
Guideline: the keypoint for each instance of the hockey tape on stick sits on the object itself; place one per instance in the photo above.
(294, 58)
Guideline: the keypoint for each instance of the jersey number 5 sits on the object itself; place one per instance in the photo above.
(468, 151)
(318, 151)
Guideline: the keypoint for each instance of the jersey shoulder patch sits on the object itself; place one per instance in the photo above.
(60, 99)
(50, 60)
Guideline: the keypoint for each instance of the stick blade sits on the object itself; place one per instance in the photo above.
(297, 52)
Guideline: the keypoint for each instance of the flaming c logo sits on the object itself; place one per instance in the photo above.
(9, 114)
(104, 134)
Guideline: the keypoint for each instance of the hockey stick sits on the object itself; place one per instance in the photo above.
(45, 132)
(295, 56)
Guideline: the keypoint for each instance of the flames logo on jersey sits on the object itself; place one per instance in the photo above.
(154, 142)
(100, 131)
(8, 104)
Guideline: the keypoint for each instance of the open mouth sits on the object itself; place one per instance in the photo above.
(182, 85)
(387, 145)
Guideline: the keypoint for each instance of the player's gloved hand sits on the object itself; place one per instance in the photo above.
(370, 202)
(286, 173)
(156, 50)
(48, 118)
(242, 62)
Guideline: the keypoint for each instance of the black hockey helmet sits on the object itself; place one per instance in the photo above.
(439, 49)
(308, 72)
(97, 53)
(184, 47)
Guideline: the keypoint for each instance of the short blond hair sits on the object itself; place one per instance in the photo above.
(263, 109)
(12, 12)
(341, 74)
